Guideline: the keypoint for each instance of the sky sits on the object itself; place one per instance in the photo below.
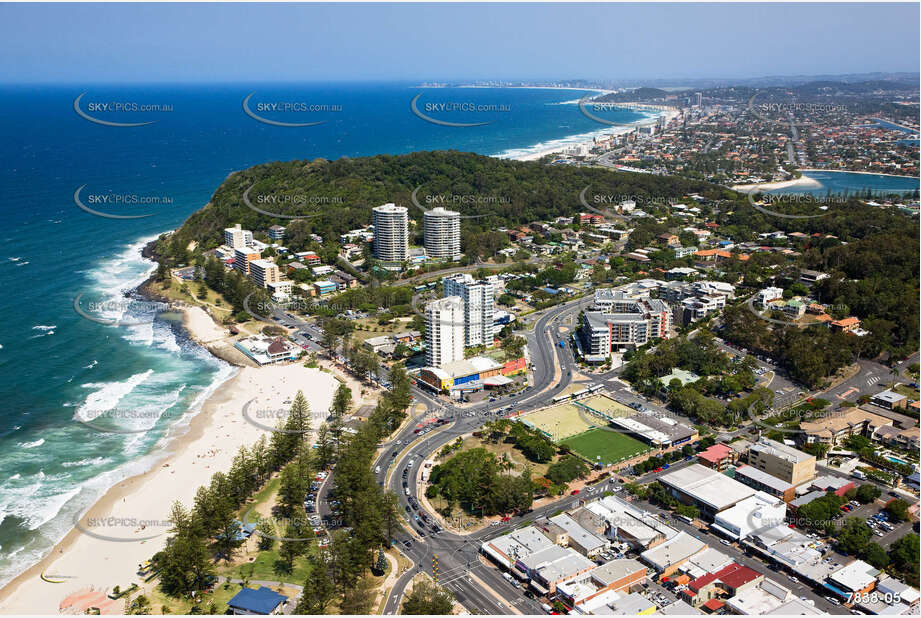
(217, 42)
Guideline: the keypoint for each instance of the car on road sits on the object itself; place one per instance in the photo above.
(506, 518)
(406, 490)
(725, 542)
(407, 544)
(574, 492)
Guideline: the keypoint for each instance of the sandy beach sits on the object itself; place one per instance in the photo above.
(803, 182)
(614, 130)
(129, 523)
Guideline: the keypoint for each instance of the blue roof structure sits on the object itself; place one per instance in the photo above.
(260, 600)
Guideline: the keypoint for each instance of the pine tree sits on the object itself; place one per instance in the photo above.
(319, 590)
(381, 566)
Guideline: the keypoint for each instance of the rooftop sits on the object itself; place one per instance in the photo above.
(260, 600)
(679, 548)
(610, 572)
(577, 533)
(555, 563)
(855, 576)
(715, 453)
(707, 486)
(762, 477)
(777, 449)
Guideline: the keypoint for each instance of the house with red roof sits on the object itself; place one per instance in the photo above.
(719, 457)
(723, 584)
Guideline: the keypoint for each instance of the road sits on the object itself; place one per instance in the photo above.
(479, 587)
(458, 555)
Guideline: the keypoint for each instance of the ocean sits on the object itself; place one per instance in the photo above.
(87, 401)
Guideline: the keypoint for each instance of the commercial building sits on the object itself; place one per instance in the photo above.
(391, 233)
(614, 576)
(471, 374)
(768, 595)
(444, 331)
(237, 238)
(506, 550)
(580, 539)
(751, 515)
(708, 490)
(858, 576)
(782, 461)
(276, 232)
(441, 233)
(547, 568)
(673, 553)
(730, 581)
(624, 522)
(479, 307)
(268, 351)
(762, 481)
(264, 272)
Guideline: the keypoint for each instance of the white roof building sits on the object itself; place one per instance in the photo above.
(710, 490)
(674, 551)
(753, 514)
(855, 576)
(763, 598)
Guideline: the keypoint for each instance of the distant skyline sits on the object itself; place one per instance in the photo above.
(142, 43)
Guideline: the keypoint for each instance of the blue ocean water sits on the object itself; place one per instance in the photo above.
(57, 367)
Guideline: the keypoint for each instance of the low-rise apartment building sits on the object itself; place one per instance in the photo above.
(782, 461)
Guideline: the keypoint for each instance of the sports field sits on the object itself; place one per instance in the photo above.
(561, 421)
(604, 446)
(606, 405)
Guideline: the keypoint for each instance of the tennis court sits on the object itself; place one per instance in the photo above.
(605, 446)
(561, 421)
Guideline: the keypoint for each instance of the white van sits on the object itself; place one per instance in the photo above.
(406, 490)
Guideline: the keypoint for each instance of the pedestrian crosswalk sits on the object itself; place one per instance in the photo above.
(872, 380)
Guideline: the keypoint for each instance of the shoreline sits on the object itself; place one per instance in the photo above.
(812, 169)
(207, 444)
(589, 138)
(802, 181)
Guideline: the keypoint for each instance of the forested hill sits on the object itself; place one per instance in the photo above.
(342, 193)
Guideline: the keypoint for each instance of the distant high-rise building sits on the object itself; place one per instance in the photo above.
(391, 233)
(442, 233)
(237, 238)
(444, 331)
(698, 97)
(479, 307)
